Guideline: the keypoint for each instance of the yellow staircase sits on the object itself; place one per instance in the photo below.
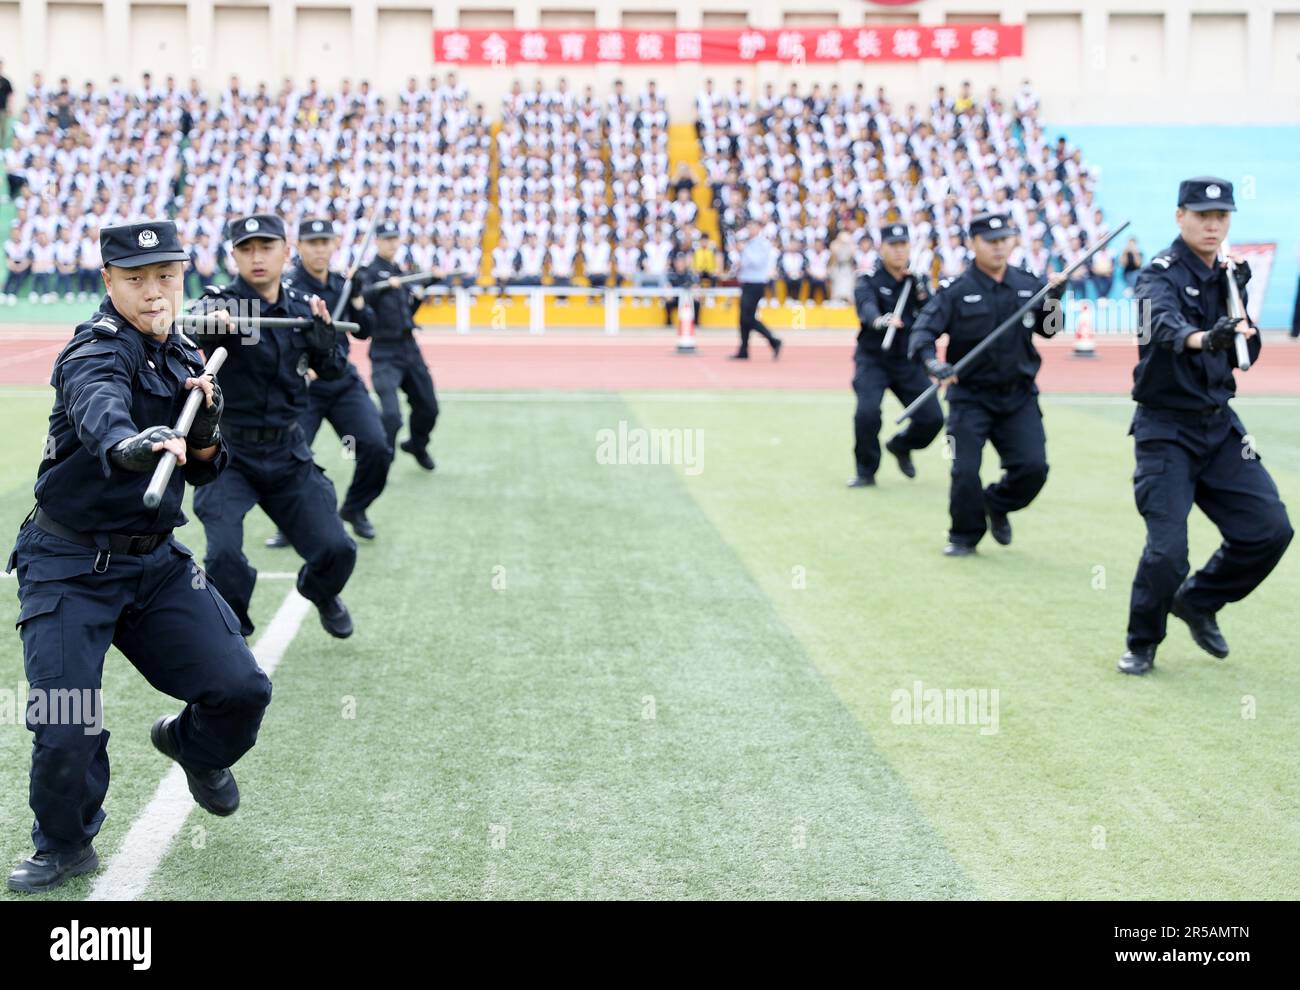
(684, 146)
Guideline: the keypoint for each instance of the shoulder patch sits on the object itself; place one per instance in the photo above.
(1161, 261)
(944, 283)
(105, 325)
(213, 291)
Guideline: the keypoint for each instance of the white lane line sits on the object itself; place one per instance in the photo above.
(132, 868)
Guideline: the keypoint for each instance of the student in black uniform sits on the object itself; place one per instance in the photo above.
(876, 297)
(997, 398)
(271, 465)
(395, 358)
(343, 401)
(1190, 446)
(96, 568)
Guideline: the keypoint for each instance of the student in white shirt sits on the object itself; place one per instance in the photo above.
(89, 263)
(792, 269)
(503, 265)
(18, 262)
(532, 258)
(42, 255)
(819, 263)
(65, 264)
(596, 254)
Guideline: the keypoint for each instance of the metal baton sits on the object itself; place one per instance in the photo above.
(1238, 309)
(898, 315)
(973, 354)
(167, 463)
(268, 322)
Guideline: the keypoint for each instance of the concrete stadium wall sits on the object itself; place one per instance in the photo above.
(1098, 61)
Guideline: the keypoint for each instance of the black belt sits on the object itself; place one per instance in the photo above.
(257, 434)
(126, 543)
(1200, 412)
(1002, 388)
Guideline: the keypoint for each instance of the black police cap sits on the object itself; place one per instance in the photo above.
(315, 230)
(387, 228)
(1206, 192)
(266, 225)
(992, 226)
(135, 245)
(894, 233)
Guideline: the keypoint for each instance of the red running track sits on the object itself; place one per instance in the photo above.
(574, 360)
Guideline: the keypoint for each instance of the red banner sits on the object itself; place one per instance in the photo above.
(590, 46)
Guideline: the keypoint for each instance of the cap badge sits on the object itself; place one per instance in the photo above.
(148, 239)
(251, 224)
(995, 223)
(1213, 191)
(317, 226)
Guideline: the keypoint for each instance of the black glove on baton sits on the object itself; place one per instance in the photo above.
(1221, 336)
(938, 369)
(206, 428)
(136, 453)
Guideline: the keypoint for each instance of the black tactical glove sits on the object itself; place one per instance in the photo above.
(320, 335)
(1241, 270)
(920, 288)
(206, 428)
(938, 369)
(136, 453)
(1222, 336)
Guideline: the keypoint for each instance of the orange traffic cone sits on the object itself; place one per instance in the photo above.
(1084, 345)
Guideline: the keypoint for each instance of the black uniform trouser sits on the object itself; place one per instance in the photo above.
(292, 489)
(350, 410)
(750, 294)
(401, 365)
(873, 373)
(169, 620)
(1185, 459)
(1014, 424)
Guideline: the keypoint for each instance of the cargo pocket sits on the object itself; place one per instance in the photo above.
(1146, 479)
(40, 622)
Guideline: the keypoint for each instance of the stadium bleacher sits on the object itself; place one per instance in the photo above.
(560, 189)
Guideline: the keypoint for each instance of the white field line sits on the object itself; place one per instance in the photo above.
(132, 868)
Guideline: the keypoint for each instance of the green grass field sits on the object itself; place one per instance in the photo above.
(576, 680)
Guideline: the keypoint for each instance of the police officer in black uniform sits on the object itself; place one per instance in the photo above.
(1190, 446)
(343, 401)
(395, 358)
(997, 398)
(96, 568)
(271, 465)
(876, 297)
